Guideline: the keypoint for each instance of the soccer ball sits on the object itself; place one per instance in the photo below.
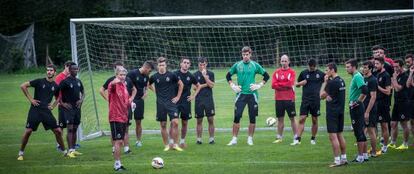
(270, 121)
(157, 163)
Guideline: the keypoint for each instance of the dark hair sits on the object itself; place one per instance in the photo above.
(117, 63)
(68, 63)
(409, 56)
(400, 62)
(332, 65)
(246, 49)
(51, 66)
(312, 62)
(149, 64)
(184, 58)
(202, 60)
(380, 59)
(369, 64)
(161, 60)
(377, 47)
(370, 58)
(353, 62)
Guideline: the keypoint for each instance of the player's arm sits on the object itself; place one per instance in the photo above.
(287, 85)
(197, 90)
(386, 90)
(322, 93)
(301, 81)
(180, 91)
(233, 86)
(410, 77)
(145, 91)
(364, 92)
(209, 82)
(80, 101)
(133, 94)
(394, 82)
(24, 86)
(103, 93)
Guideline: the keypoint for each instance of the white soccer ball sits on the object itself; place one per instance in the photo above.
(157, 163)
(270, 121)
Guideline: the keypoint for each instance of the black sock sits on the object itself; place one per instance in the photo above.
(298, 138)
(312, 138)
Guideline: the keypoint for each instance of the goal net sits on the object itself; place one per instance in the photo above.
(326, 37)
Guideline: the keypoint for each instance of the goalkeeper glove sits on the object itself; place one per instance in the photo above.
(235, 88)
(254, 87)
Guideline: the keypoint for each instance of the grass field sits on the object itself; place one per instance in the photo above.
(264, 157)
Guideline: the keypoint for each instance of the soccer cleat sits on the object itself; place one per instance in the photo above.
(384, 149)
(199, 142)
(138, 144)
(335, 165)
(278, 140)
(357, 161)
(120, 168)
(183, 145)
(369, 150)
(77, 146)
(393, 146)
(250, 142)
(58, 148)
(313, 142)
(76, 153)
(344, 162)
(402, 147)
(212, 142)
(177, 148)
(166, 148)
(70, 155)
(20, 158)
(127, 152)
(378, 153)
(232, 143)
(295, 142)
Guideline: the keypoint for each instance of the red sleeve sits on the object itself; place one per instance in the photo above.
(278, 85)
(274, 80)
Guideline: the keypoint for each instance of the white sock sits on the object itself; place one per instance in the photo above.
(137, 142)
(337, 160)
(392, 142)
(64, 151)
(71, 150)
(199, 139)
(21, 153)
(295, 136)
(250, 138)
(113, 149)
(405, 143)
(117, 164)
(171, 141)
(126, 148)
(182, 141)
(279, 136)
(365, 155)
(343, 157)
(210, 139)
(360, 158)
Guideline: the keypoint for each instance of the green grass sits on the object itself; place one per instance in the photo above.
(263, 157)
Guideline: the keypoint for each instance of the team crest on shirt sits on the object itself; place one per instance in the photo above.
(79, 84)
(380, 79)
(145, 79)
(283, 77)
(188, 78)
(137, 78)
(53, 88)
(212, 111)
(318, 76)
(118, 135)
(158, 80)
(44, 86)
(307, 76)
(353, 121)
(71, 85)
(167, 79)
(175, 114)
(402, 116)
(199, 78)
(379, 118)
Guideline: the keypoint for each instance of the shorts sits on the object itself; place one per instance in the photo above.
(241, 101)
(166, 108)
(401, 111)
(72, 116)
(139, 110)
(204, 107)
(373, 116)
(40, 115)
(184, 110)
(61, 117)
(358, 121)
(383, 112)
(335, 122)
(310, 107)
(285, 105)
(118, 130)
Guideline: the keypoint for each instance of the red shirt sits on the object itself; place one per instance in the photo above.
(118, 102)
(59, 78)
(283, 81)
(389, 60)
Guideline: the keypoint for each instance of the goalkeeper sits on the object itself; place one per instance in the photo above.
(246, 92)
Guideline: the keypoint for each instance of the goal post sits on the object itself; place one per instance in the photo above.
(326, 36)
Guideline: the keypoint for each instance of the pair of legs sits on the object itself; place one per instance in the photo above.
(210, 126)
(71, 136)
(373, 138)
(301, 125)
(125, 140)
(28, 132)
(312, 108)
(400, 113)
(281, 125)
(118, 132)
(242, 100)
(184, 127)
(288, 106)
(394, 130)
(358, 124)
(173, 133)
(338, 146)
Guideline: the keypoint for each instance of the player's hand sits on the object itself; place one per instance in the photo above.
(66, 105)
(144, 96)
(204, 72)
(190, 98)
(395, 75)
(254, 87)
(175, 99)
(133, 106)
(366, 117)
(35, 102)
(326, 78)
(130, 100)
(412, 68)
(50, 107)
(79, 103)
(328, 98)
(235, 88)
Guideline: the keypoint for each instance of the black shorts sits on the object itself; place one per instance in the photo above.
(358, 121)
(40, 115)
(184, 110)
(118, 130)
(166, 108)
(241, 101)
(383, 112)
(61, 117)
(72, 116)
(373, 116)
(282, 106)
(310, 107)
(335, 122)
(401, 111)
(139, 110)
(204, 107)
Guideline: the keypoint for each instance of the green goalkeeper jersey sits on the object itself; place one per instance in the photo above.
(246, 72)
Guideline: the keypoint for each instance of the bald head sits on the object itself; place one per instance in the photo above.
(284, 61)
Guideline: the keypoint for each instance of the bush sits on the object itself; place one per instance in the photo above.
(12, 60)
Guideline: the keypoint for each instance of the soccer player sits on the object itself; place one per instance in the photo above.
(119, 103)
(184, 103)
(40, 108)
(140, 79)
(71, 99)
(311, 79)
(132, 92)
(283, 80)
(246, 92)
(379, 51)
(166, 83)
(400, 111)
(409, 58)
(370, 105)
(358, 91)
(204, 103)
(383, 100)
(333, 91)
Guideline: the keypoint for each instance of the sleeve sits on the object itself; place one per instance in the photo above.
(233, 69)
(359, 81)
(301, 76)
(322, 76)
(387, 80)
(175, 78)
(151, 79)
(34, 83)
(403, 81)
(372, 85)
(81, 87)
(131, 75)
(105, 85)
(286, 85)
(211, 75)
(129, 82)
(332, 88)
(259, 68)
(57, 91)
(193, 79)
